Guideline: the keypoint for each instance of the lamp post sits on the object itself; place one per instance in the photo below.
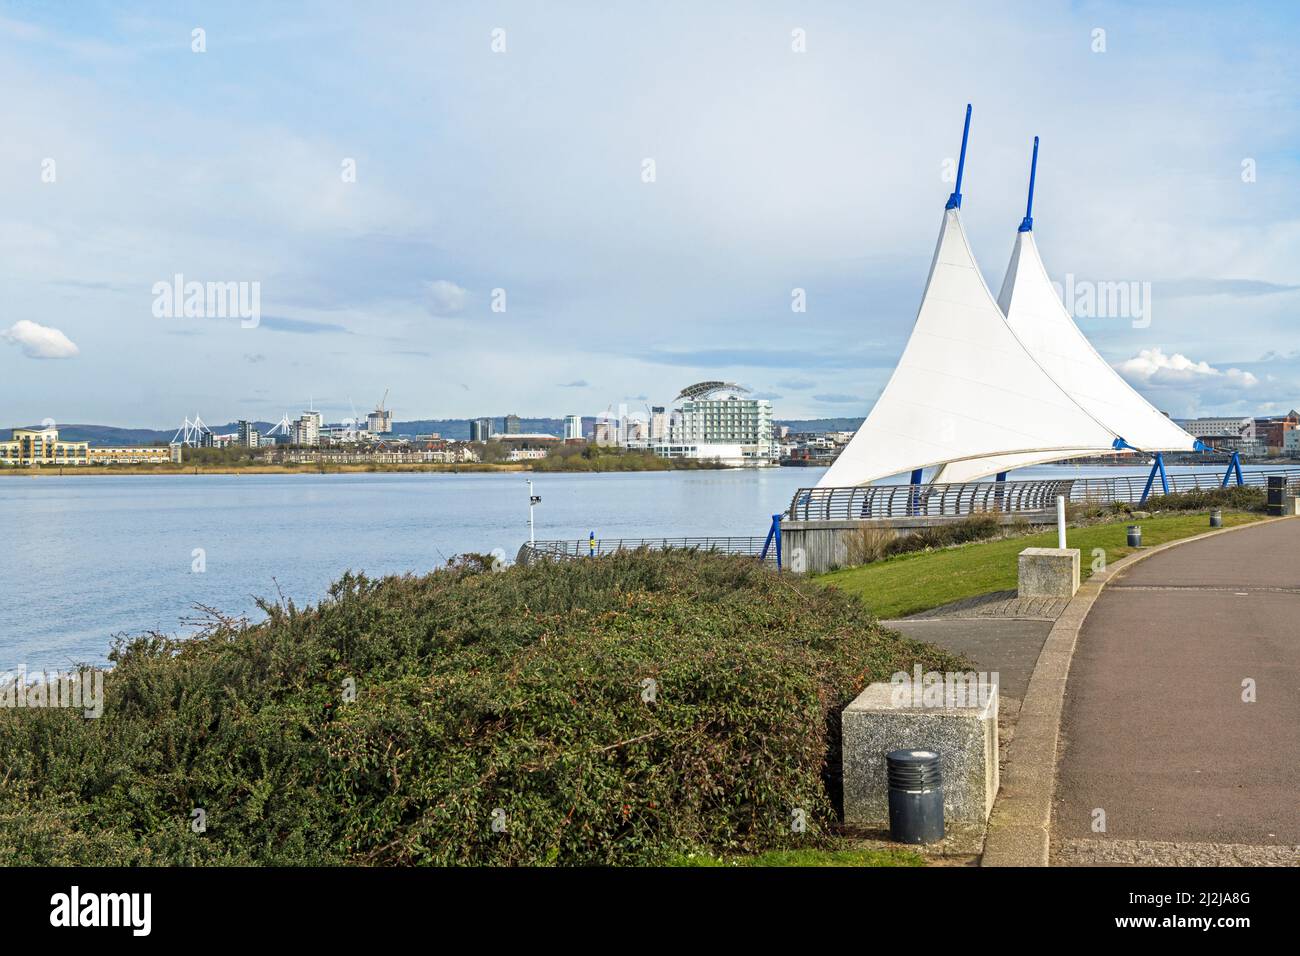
(533, 501)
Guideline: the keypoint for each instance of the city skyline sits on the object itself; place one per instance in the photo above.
(384, 184)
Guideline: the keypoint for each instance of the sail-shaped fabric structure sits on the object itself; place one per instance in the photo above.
(965, 388)
(1041, 322)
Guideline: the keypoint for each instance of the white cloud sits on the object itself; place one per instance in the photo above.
(39, 341)
(446, 298)
(1154, 367)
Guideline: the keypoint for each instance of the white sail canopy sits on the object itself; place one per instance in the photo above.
(966, 388)
(1035, 313)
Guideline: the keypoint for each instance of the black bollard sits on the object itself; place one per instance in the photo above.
(1135, 536)
(1216, 518)
(915, 796)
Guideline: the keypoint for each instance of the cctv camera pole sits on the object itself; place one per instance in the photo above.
(532, 502)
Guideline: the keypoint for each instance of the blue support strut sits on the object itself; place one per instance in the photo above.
(773, 537)
(914, 494)
(1156, 466)
(1234, 467)
(954, 201)
(1027, 224)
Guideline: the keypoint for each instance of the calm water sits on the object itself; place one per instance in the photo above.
(91, 557)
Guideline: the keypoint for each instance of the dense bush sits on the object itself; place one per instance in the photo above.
(515, 697)
(1238, 498)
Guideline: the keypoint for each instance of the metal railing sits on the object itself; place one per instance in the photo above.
(1019, 497)
(582, 548)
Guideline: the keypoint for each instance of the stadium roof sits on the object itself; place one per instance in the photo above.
(705, 389)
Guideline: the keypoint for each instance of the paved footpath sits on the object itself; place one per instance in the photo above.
(1155, 732)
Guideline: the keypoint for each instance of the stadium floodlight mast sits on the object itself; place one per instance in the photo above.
(533, 501)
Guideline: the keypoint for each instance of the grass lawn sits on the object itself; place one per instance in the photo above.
(911, 583)
(851, 857)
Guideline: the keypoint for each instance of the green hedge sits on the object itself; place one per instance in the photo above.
(519, 692)
(1235, 497)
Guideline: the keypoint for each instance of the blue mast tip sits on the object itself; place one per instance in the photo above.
(1027, 224)
(954, 201)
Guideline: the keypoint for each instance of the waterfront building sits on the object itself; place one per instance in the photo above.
(480, 429)
(306, 430)
(513, 425)
(1272, 431)
(572, 427)
(1238, 427)
(249, 436)
(133, 455)
(1291, 443)
(658, 424)
(42, 446)
(716, 421)
(523, 446)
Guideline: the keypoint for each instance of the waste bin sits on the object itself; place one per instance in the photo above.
(1276, 495)
(915, 796)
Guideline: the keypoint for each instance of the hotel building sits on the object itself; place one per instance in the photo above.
(41, 446)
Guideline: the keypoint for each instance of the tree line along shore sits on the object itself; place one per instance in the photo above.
(228, 461)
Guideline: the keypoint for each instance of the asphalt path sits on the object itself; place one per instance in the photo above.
(1155, 730)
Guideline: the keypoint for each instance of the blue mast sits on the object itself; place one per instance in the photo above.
(1027, 224)
(954, 201)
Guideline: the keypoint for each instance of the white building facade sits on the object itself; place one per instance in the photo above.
(716, 421)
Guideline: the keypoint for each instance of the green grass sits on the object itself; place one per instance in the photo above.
(853, 857)
(911, 583)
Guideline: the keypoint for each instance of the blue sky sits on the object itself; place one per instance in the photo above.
(522, 170)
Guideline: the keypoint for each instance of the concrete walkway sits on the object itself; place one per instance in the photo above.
(1154, 730)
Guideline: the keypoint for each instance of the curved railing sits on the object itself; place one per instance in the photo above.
(1022, 497)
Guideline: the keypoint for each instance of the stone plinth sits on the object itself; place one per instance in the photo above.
(885, 717)
(1048, 573)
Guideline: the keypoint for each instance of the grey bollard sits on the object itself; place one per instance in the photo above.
(1135, 536)
(915, 796)
(1216, 518)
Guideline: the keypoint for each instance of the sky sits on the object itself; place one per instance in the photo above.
(557, 208)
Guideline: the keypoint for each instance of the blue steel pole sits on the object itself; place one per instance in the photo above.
(1027, 224)
(954, 201)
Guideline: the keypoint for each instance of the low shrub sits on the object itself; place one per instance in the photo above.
(1234, 497)
(870, 542)
(622, 710)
